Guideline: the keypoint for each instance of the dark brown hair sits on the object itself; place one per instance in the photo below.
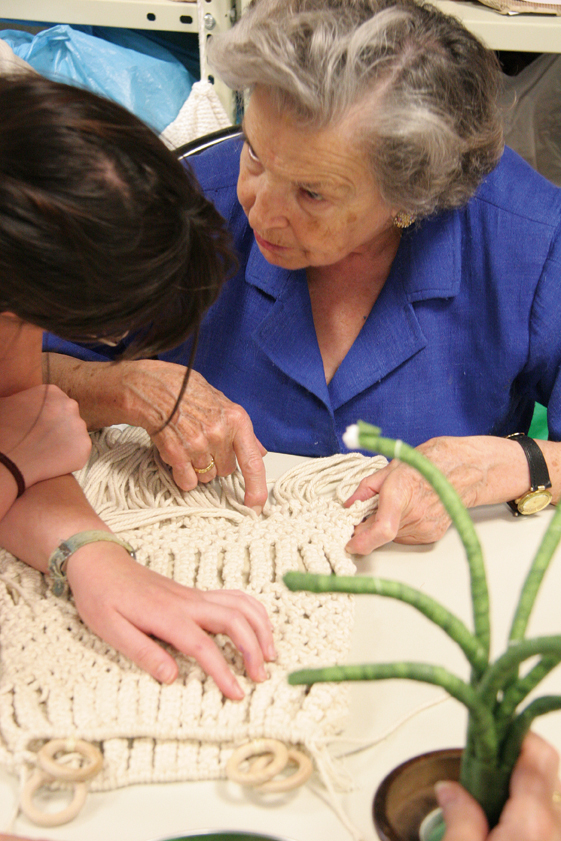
(102, 230)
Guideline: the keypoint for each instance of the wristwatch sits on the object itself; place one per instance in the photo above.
(538, 497)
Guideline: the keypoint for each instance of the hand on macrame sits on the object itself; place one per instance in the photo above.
(42, 432)
(127, 605)
(530, 813)
(207, 427)
(483, 469)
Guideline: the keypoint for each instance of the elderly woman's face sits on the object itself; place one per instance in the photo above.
(309, 196)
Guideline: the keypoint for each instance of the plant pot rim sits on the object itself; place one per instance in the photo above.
(386, 794)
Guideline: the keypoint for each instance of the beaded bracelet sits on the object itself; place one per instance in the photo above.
(59, 559)
(15, 471)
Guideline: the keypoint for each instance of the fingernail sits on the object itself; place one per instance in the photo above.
(445, 793)
(263, 673)
(271, 652)
(237, 691)
(257, 508)
(165, 673)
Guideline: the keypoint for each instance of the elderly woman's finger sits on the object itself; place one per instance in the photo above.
(249, 453)
(205, 468)
(371, 534)
(184, 476)
(371, 485)
(384, 525)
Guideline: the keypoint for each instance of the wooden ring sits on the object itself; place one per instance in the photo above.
(299, 777)
(57, 771)
(262, 774)
(36, 781)
(259, 763)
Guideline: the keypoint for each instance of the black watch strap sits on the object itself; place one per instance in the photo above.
(539, 474)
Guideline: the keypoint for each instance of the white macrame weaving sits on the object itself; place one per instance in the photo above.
(59, 680)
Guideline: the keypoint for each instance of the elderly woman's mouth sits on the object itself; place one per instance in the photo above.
(271, 246)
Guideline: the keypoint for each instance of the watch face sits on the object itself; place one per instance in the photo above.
(533, 502)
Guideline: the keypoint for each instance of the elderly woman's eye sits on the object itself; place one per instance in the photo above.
(310, 194)
(250, 152)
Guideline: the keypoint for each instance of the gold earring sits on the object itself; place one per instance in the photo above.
(402, 219)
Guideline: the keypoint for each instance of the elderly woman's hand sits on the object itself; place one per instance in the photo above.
(208, 433)
(530, 813)
(206, 428)
(129, 605)
(483, 469)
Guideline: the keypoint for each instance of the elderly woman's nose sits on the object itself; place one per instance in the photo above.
(268, 208)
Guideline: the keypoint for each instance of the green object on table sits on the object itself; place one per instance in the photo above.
(538, 427)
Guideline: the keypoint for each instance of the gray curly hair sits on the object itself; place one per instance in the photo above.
(427, 88)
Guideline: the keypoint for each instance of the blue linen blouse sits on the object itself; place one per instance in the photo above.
(463, 339)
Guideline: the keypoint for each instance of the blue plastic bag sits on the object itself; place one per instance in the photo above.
(139, 74)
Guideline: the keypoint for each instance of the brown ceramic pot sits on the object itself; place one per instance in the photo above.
(406, 796)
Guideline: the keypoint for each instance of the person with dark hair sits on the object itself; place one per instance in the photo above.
(102, 234)
(397, 265)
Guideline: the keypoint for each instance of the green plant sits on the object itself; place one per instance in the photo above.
(494, 695)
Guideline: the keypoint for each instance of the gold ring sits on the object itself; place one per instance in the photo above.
(556, 797)
(204, 469)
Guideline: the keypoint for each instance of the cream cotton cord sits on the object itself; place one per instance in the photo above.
(59, 680)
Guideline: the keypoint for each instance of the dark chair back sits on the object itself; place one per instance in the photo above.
(199, 144)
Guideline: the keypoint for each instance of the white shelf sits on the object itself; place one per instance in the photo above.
(527, 33)
(134, 14)
(533, 33)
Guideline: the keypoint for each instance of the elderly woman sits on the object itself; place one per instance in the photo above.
(395, 266)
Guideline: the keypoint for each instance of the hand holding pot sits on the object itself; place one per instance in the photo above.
(531, 812)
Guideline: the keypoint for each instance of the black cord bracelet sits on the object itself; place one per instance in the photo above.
(15, 471)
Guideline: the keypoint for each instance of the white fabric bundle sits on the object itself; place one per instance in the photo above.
(201, 113)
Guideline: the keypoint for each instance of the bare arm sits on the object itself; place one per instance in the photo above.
(143, 393)
(41, 431)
